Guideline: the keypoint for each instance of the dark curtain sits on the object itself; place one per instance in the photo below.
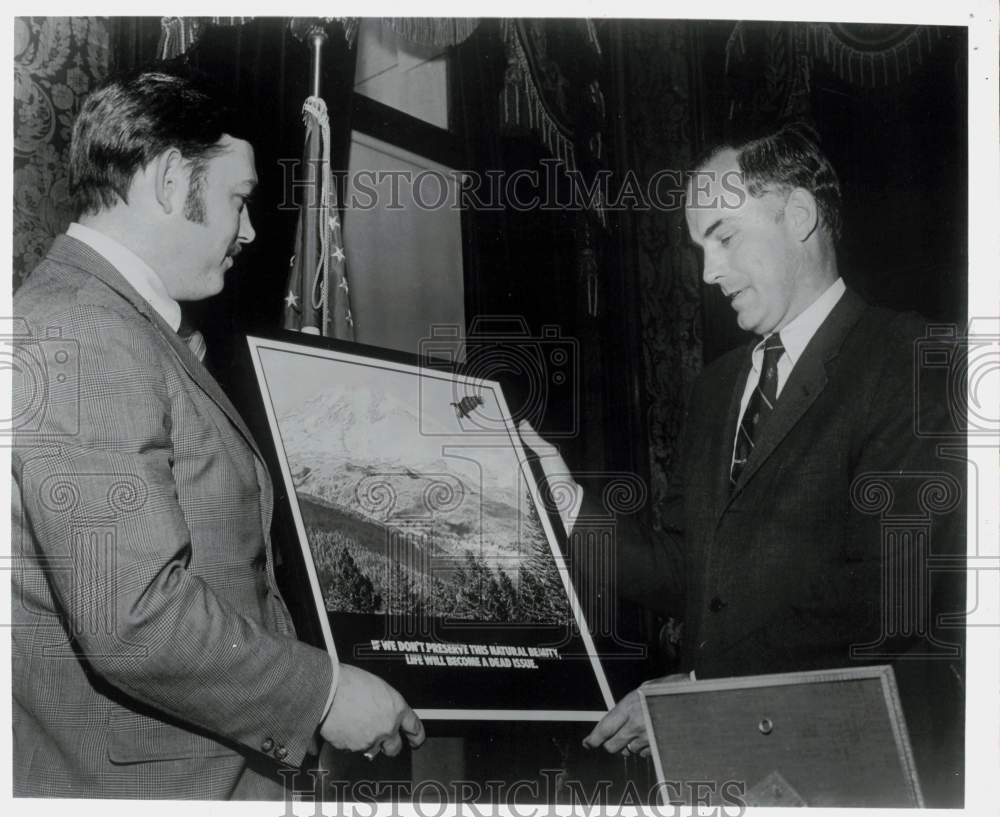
(889, 103)
(660, 97)
(534, 265)
(901, 153)
(526, 263)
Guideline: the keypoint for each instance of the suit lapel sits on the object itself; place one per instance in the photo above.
(75, 253)
(806, 382)
(725, 432)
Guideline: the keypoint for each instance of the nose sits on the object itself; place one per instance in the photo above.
(247, 232)
(713, 269)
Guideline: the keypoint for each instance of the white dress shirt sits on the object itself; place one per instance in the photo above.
(794, 337)
(138, 273)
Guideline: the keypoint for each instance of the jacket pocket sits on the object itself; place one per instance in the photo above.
(134, 738)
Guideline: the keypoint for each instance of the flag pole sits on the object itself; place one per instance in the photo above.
(317, 37)
(317, 273)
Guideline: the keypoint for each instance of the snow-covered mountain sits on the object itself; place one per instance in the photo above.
(369, 453)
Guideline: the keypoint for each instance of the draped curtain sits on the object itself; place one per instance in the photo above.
(889, 104)
(770, 66)
(551, 89)
(661, 65)
(178, 34)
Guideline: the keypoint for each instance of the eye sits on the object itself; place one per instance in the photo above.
(724, 241)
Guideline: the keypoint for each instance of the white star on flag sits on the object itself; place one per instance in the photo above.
(316, 300)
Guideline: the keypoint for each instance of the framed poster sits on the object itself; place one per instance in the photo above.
(429, 556)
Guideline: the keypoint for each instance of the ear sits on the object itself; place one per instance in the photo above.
(170, 179)
(801, 213)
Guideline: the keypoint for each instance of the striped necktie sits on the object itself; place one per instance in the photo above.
(194, 339)
(759, 408)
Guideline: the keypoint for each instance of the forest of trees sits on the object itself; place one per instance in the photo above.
(354, 579)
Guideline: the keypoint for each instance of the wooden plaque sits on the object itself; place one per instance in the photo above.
(821, 738)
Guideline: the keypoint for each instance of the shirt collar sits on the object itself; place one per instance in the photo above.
(138, 273)
(797, 334)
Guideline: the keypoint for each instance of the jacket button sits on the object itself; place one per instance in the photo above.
(267, 745)
(716, 604)
(281, 753)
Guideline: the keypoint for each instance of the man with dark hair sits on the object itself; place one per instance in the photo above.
(772, 555)
(153, 655)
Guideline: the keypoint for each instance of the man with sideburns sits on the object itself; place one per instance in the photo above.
(153, 655)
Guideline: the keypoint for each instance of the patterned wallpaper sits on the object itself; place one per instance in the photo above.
(57, 61)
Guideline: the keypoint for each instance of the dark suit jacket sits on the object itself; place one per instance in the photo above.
(152, 653)
(792, 569)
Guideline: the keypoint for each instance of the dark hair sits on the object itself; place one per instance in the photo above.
(130, 120)
(784, 159)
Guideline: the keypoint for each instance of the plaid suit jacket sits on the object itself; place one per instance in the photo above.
(152, 653)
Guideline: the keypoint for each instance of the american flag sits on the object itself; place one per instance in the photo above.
(318, 298)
